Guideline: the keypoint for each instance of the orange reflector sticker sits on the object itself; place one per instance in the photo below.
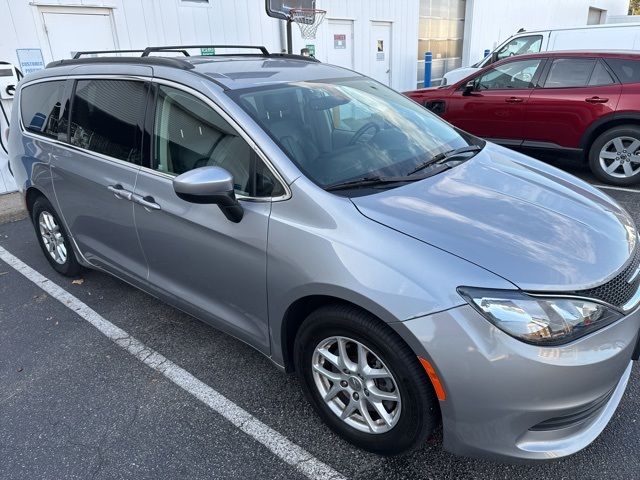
(433, 376)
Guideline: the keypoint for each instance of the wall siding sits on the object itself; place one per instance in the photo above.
(140, 23)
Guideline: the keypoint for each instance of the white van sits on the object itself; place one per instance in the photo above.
(593, 37)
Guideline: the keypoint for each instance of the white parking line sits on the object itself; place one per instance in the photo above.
(282, 447)
(621, 189)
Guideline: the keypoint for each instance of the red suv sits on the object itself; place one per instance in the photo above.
(583, 105)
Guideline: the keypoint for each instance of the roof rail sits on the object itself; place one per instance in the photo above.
(183, 49)
(158, 61)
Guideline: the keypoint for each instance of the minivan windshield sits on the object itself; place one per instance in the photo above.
(345, 130)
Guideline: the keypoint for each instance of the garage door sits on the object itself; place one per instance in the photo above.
(69, 31)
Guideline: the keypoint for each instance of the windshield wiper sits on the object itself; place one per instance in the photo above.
(367, 182)
(445, 156)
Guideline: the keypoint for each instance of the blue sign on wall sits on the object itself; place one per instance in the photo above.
(30, 60)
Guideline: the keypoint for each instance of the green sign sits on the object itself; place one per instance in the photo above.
(207, 51)
(312, 49)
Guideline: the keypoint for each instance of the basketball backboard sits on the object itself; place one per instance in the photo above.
(280, 8)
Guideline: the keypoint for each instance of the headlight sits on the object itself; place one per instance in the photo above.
(444, 82)
(539, 320)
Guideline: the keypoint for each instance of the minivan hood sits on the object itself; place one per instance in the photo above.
(534, 225)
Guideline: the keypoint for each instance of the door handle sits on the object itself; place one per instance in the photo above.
(596, 100)
(147, 202)
(120, 192)
(514, 100)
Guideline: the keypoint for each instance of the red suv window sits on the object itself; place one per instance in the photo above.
(627, 71)
(569, 72)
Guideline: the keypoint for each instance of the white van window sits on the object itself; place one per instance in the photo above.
(520, 46)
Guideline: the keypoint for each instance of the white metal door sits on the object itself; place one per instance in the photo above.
(340, 43)
(380, 48)
(72, 30)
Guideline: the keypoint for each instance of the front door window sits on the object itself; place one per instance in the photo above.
(513, 75)
(189, 134)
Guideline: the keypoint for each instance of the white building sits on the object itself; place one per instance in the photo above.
(385, 39)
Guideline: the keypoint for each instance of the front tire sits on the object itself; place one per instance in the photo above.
(614, 157)
(364, 381)
(54, 239)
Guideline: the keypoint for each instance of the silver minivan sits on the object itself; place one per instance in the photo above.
(410, 273)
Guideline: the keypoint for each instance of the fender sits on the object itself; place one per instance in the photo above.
(616, 118)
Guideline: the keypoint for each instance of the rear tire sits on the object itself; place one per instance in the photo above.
(54, 239)
(406, 422)
(614, 157)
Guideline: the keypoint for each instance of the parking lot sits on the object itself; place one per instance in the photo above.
(78, 401)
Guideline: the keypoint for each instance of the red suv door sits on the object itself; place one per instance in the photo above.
(494, 107)
(575, 92)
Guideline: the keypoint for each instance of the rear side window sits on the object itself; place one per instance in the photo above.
(570, 72)
(600, 76)
(627, 71)
(40, 107)
(107, 117)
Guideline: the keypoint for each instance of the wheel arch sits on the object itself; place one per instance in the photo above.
(298, 311)
(31, 195)
(603, 124)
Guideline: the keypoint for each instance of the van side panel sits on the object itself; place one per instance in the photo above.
(593, 38)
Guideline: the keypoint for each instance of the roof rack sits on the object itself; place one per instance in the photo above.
(263, 51)
(183, 49)
(97, 52)
(182, 63)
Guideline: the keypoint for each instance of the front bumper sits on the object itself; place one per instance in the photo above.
(508, 399)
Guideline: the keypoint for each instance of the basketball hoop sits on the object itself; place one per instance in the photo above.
(308, 19)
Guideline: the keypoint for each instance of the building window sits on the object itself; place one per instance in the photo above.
(440, 32)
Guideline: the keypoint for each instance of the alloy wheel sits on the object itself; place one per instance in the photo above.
(52, 237)
(620, 157)
(356, 385)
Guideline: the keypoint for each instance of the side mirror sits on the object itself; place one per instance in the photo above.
(212, 185)
(469, 88)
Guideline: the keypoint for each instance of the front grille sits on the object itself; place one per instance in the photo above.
(618, 290)
(585, 413)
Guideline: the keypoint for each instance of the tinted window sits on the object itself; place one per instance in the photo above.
(569, 72)
(520, 46)
(627, 71)
(106, 117)
(189, 134)
(600, 76)
(518, 74)
(40, 107)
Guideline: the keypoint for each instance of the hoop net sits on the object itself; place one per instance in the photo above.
(308, 19)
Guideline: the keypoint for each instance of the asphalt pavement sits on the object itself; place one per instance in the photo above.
(73, 404)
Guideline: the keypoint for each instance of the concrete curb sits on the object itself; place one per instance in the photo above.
(11, 208)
